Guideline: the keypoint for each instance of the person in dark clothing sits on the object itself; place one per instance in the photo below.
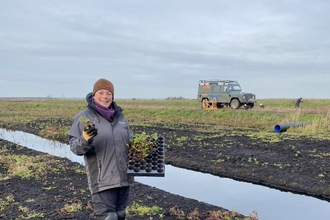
(298, 102)
(101, 134)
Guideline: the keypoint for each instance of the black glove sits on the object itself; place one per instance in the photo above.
(89, 132)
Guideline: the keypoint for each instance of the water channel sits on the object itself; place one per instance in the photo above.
(270, 204)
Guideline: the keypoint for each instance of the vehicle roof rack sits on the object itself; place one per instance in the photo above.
(213, 81)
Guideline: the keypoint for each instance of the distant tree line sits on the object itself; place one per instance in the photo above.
(168, 98)
(175, 98)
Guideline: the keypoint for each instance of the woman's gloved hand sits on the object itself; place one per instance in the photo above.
(89, 132)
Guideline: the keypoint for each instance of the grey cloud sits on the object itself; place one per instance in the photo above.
(137, 42)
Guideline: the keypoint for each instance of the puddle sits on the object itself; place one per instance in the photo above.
(243, 197)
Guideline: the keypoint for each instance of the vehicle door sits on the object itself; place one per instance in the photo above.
(215, 92)
(224, 94)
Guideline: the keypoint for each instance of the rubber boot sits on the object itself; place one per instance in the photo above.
(111, 216)
(121, 215)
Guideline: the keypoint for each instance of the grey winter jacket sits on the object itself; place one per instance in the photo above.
(106, 156)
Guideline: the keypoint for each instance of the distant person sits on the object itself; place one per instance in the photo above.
(298, 102)
(103, 143)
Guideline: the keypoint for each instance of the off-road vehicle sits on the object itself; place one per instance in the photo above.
(224, 93)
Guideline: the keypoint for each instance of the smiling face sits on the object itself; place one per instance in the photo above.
(103, 97)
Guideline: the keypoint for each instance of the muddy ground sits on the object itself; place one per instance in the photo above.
(300, 166)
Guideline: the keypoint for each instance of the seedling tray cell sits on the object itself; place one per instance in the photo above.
(153, 165)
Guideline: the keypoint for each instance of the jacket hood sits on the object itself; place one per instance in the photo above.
(91, 105)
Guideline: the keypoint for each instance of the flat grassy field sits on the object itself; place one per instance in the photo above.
(260, 122)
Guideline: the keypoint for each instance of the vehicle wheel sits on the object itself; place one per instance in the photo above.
(235, 104)
(251, 105)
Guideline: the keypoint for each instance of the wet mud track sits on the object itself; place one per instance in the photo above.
(299, 166)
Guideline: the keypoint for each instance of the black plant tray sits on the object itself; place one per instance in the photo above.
(153, 165)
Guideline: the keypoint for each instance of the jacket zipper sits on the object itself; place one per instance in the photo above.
(112, 126)
(99, 169)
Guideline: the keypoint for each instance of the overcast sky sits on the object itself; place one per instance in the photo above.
(159, 49)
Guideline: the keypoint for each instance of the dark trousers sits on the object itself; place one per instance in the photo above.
(111, 200)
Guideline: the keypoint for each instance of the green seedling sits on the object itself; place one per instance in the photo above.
(87, 122)
(142, 145)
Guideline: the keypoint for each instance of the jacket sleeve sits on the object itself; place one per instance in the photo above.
(78, 145)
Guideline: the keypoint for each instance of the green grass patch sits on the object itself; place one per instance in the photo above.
(52, 118)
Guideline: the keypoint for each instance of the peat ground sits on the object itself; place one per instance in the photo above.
(299, 165)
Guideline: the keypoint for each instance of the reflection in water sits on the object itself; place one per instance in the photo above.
(40, 144)
(233, 195)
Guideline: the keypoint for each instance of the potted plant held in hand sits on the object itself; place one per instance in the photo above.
(87, 122)
(89, 131)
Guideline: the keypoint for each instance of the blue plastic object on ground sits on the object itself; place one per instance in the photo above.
(283, 127)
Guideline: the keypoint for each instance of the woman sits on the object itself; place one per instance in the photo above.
(104, 144)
